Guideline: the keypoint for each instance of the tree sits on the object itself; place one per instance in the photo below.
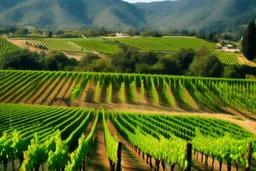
(49, 34)
(183, 58)
(206, 65)
(249, 41)
(55, 61)
(20, 60)
(231, 72)
(21, 31)
(88, 59)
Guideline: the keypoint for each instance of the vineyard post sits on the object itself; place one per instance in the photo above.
(119, 152)
(249, 156)
(189, 156)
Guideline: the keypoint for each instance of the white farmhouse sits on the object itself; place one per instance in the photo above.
(226, 49)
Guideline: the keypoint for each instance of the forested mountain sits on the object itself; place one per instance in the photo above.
(69, 14)
(219, 15)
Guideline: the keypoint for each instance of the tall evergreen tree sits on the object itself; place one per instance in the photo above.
(249, 41)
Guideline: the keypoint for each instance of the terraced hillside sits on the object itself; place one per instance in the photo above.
(6, 46)
(129, 91)
(65, 138)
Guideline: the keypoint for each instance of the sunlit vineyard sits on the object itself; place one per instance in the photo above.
(95, 89)
(166, 43)
(227, 58)
(6, 46)
(109, 45)
(58, 44)
(97, 44)
(61, 138)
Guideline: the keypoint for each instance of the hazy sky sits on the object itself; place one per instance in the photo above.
(132, 1)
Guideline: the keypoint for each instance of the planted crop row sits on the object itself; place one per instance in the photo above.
(44, 87)
(6, 46)
(227, 58)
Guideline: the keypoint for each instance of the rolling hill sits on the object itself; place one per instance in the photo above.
(219, 15)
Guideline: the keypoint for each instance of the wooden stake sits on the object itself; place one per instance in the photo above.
(249, 157)
(189, 156)
(119, 155)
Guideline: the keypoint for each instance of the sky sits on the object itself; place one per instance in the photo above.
(133, 1)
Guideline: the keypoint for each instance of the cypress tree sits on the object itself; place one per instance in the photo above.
(249, 41)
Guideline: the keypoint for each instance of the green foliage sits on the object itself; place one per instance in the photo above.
(58, 44)
(55, 61)
(166, 44)
(97, 91)
(58, 158)
(110, 141)
(88, 59)
(83, 149)
(133, 91)
(6, 46)
(21, 31)
(76, 92)
(37, 153)
(249, 41)
(20, 59)
(109, 93)
(227, 58)
(206, 65)
(122, 92)
(226, 148)
(97, 44)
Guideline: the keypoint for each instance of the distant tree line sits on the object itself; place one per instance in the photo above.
(97, 32)
(129, 60)
(26, 60)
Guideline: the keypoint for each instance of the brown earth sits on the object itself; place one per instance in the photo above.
(130, 160)
(98, 160)
(77, 55)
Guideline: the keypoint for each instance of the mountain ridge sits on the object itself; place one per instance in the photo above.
(216, 15)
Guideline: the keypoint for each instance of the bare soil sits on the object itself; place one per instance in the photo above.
(77, 55)
(98, 160)
(130, 160)
(54, 93)
(59, 97)
(44, 94)
(39, 92)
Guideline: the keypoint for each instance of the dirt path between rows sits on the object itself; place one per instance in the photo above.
(98, 159)
(130, 160)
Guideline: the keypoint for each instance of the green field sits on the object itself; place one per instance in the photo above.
(47, 135)
(6, 46)
(166, 43)
(108, 46)
(227, 58)
(98, 45)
